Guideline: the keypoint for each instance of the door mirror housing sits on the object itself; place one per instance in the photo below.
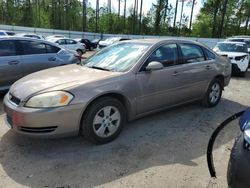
(154, 65)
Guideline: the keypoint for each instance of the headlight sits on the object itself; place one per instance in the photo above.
(247, 132)
(238, 58)
(50, 99)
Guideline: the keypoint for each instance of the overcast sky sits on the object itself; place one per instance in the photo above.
(147, 5)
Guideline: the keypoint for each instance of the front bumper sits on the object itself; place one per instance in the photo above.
(45, 123)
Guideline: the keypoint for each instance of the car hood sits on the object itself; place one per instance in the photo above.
(58, 78)
(232, 54)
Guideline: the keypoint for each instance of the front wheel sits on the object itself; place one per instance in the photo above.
(213, 94)
(103, 120)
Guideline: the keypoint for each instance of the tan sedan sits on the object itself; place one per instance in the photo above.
(122, 82)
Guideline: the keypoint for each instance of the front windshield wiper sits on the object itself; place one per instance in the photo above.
(100, 68)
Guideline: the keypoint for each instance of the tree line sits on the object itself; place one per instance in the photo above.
(217, 18)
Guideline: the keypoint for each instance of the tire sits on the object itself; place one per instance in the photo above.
(214, 89)
(231, 168)
(243, 74)
(109, 114)
(80, 52)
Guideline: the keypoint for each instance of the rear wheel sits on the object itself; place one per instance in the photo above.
(103, 120)
(213, 94)
(80, 52)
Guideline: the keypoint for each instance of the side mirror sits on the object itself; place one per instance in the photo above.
(154, 65)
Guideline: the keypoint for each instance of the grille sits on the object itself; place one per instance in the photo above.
(235, 68)
(14, 99)
(38, 129)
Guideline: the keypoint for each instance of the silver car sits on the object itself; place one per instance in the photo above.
(122, 82)
(21, 56)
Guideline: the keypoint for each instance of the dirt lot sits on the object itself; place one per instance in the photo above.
(162, 150)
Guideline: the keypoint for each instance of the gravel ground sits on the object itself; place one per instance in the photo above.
(167, 149)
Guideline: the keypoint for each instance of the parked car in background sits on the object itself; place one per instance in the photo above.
(241, 39)
(54, 36)
(237, 53)
(109, 41)
(30, 35)
(122, 82)
(239, 162)
(89, 45)
(6, 33)
(95, 42)
(21, 56)
(70, 44)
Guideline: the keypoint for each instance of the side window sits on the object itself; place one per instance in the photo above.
(61, 42)
(52, 49)
(166, 54)
(31, 47)
(209, 54)
(191, 53)
(71, 42)
(7, 48)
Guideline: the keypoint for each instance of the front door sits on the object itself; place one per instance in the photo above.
(160, 88)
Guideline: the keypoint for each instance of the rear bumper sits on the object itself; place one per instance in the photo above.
(43, 123)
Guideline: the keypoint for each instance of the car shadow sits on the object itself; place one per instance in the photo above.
(246, 77)
(176, 136)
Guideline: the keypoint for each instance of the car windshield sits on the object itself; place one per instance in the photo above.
(242, 40)
(230, 47)
(119, 57)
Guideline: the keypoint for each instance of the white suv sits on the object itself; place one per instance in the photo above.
(237, 53)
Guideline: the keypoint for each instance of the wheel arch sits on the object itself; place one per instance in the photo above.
(221, 78)
(124, 100)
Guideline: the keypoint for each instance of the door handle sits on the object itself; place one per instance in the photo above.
(13, 62)
(52, 59)
(208, 67)
(175, 73)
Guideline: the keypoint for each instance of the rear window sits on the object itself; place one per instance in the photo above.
(191, 53)
(7, 48)
(52, 49)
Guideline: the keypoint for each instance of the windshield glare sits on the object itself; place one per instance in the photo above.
(119, 57)
(230, 47)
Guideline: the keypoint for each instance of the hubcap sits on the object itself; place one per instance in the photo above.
(214, 93)
(106, 121)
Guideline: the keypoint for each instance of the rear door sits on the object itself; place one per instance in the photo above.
(37, 56)
(196, 69)
(10, 63)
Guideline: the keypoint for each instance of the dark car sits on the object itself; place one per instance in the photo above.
(89, 45)
(239, 163)
(96, 42)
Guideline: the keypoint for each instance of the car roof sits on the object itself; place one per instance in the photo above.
(231, 42)
(55, 39)
(27, 38)
(162, 40)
